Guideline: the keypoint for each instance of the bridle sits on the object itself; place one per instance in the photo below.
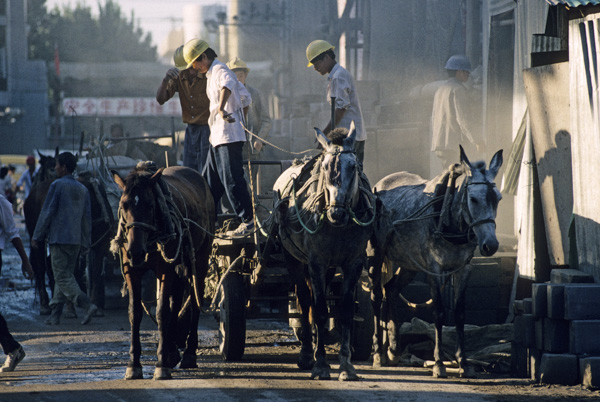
(348, 200)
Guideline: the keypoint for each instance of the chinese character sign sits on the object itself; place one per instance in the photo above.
(119, 107)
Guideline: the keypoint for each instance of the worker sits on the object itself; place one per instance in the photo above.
(191, 87)
(452, 117)
(341, 93)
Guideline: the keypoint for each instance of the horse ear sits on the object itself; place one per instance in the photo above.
(40, 154)
(463, 157)
(56, 152)
(496, 163)
(118, 179)
(323, 140)
(351, 137)
(156, 176)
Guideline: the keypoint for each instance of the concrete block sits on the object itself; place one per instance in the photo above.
(535, 358)
(539, 333)
(556, 301)
(484, 274)
(478, 298)
(570, 276)
(540, 299)
(556, 335)
(583, 337)
(582, 302)
(589, 372)
(518, 307)
(558, 369)
(524, 330)
(518, 360)
(528, 305)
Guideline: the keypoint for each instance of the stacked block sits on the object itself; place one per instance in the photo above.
(559, 341)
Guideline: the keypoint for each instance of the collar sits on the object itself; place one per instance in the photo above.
(333, 70)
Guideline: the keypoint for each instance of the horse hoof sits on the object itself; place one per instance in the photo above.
(134, 373)
(162, 373)
(188, 361)
(439, 371)
(393, 359)
(306, 362)
(377, 360)
(348, 376)
(320, 373)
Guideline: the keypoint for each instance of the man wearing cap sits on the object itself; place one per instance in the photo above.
(341, 92)
(259, 121)
(26, 179)
(224, 171)
(191, 87)
(451, 123)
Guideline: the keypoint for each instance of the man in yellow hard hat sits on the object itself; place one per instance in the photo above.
(341, 92)
(224, 170)
(191, 87)
(259, 121)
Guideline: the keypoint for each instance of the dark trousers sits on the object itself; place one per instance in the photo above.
(224, 174)
(6, 339)
(196, 146)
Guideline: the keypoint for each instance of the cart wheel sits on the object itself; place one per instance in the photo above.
(362, 334)
(232, 325)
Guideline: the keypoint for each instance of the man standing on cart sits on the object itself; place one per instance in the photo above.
(191, 86)
(341, 93)
(224, 166)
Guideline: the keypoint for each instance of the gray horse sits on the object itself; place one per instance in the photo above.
(324, 219)
(433, 227)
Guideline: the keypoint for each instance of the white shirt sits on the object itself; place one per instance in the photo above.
(340, 85)
(8, 228)
(219, 76)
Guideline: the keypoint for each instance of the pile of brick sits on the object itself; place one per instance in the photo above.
(557, 331)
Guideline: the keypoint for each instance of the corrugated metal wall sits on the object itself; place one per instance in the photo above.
(584, 47)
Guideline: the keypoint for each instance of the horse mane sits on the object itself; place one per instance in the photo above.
(337, 135)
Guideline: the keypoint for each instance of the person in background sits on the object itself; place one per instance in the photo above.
(258, 122)
(224, 170)
(341, 93)
(452, 122)
(6, 184)
(9, 232)
(191, 86)
(66, 220)
(26, 180)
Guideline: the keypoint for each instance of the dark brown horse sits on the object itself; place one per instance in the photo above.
(31, 210)
(164, 217)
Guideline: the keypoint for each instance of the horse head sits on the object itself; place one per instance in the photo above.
(482, 198)
(47, 167)
(339, 168)
(137, 211)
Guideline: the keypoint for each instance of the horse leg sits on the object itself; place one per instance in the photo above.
(375, 264)
(395, 318)
(38, 262)
(466, 370)
(306, 360)
(191, 346)
(320, 370)
(439, 370)
(134, 286)
(351, 276)
(162, 371)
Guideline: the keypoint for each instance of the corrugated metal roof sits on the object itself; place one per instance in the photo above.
(574, 3)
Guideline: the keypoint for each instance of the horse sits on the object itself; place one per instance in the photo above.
(433, 227)
(324, 216)
(165, 217)
(31, 211)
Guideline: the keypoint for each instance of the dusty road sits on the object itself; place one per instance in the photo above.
(71, 362)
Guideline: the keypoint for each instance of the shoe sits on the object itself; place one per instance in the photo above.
(69, 311)
(89, 314)
(245, 229)
(54, 318)
(45, 310)
(12, 359)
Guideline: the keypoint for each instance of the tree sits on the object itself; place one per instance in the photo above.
(81, 37)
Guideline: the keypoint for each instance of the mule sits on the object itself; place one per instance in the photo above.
(324, 217)
(32, 207)
(433, 227)
(164, 220)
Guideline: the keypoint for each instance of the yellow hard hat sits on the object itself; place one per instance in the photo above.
(193, 49)
(178, 58)
(237, 64)
(315, 48)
